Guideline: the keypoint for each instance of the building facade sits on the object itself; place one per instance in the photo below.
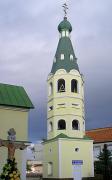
(14, 107)
(66, 142)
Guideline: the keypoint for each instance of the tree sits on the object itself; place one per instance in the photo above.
(10, 171)
(104, 165)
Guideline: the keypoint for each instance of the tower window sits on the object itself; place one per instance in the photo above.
(50, 126)
(61, 85)
(71, 57)
(50, 169)
(63, 33)
(67, 34)
(74, 86)
(75, 125)
(50, 108)
(62, 56)
(83, 126)
(61, 124)
(50, 88)
(76, 149)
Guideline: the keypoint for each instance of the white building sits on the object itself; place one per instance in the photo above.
(100, 136)
(35, 157)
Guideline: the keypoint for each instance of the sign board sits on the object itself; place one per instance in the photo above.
(77, 162)
(77, 169)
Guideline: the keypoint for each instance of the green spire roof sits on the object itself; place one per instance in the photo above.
(65, 25)
(14, 96)
(65, 48)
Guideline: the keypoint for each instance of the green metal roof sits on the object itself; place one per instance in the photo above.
(63, 136)
(15, 96)
(65, 25)
(64, 47)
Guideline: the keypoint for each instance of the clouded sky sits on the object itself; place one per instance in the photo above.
(28, 41)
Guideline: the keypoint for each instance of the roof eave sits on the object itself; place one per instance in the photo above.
(14, 106)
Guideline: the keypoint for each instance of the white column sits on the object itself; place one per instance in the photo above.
(59, 157)
(23, 172)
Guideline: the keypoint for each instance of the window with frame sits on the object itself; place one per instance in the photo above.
(74, 86)
(109, 146)
(61, 124)
(96, 151)
(61, 85)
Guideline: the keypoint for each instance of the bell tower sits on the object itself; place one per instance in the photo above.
(66, 143)
(65, 108)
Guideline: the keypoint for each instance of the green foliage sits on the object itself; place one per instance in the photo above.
(10, 171)
(28, 167)
(104, 165)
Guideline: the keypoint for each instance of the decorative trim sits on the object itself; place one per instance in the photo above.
(66, 97)
(66, 139)
(64, 115)
(14, 108)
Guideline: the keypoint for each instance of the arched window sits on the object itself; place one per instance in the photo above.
(75, 125)
(50, 88)
(61, 124)
(61, 85)
(74, 86)
(83, 126)
(50, 126)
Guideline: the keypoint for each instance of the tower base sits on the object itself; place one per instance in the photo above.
(64, 157)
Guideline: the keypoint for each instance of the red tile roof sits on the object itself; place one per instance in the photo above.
(100, 134)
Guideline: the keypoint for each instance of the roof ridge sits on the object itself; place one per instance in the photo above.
(96, 129)
(10, 85)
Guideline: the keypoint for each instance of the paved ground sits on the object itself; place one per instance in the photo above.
(32, 179)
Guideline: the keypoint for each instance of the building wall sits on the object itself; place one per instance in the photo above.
(14, 118)
(17, 119)
(68, 154)
(50, 153)
(62, 154)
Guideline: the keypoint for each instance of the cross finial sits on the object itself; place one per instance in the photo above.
(65, 8)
